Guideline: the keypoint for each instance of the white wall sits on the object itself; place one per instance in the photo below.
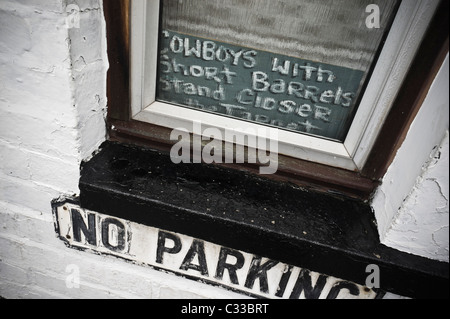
(411, 206)
(421, 225)
(52, 109)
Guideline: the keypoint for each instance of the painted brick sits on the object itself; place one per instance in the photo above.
(27, 193)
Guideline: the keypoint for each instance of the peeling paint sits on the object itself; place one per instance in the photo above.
(421, 224)
(412, 205)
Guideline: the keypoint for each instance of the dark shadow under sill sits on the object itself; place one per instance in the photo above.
(337, 237)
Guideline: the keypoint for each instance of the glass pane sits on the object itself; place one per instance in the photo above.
(298, 65)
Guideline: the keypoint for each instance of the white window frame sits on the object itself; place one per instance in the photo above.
(401, 45)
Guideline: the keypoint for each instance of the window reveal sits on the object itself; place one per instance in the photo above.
(256, 85)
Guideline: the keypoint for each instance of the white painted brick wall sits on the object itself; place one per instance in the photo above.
(52, 108)
(38, 128)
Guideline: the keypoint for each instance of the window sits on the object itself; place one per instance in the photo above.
(294, 65)
(327, 100)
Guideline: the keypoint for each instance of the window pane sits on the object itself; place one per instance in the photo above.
(298, 65)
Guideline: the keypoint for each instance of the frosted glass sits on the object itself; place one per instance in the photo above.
(329, 35)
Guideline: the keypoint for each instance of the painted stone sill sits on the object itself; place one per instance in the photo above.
(241, 211)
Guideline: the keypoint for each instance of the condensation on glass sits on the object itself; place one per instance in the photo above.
(299, 65)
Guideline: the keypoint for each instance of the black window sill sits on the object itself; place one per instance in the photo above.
(333, 236)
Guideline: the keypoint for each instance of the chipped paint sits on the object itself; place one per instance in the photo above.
(197, 259)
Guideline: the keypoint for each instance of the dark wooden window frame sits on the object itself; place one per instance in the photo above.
(361, 185)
